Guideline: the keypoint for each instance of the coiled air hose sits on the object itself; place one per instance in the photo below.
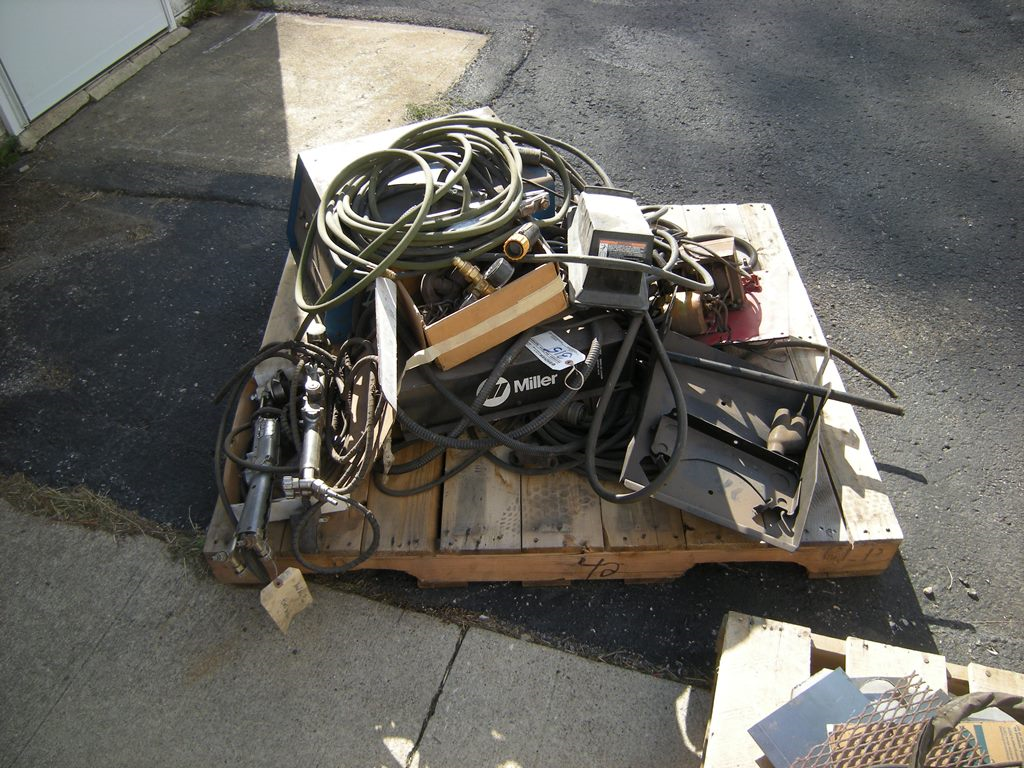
(459, 179)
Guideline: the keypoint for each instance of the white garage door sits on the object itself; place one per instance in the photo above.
(49, 48)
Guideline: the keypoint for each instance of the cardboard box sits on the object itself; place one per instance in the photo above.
(486, 323)
(1003, 742)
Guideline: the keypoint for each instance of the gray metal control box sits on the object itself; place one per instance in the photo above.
(609, 224)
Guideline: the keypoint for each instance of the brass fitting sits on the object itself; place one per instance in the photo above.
(477, 284)
(522, 242)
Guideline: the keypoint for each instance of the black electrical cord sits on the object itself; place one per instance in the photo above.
(863, 370)
(572, 454)
(218, 455)
(301, 521)
(485, 390)
(611, 448)
(680, 406)
(285, 350)
(570, 444)
(448, 474)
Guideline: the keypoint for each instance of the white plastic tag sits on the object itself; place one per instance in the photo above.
(554, 352)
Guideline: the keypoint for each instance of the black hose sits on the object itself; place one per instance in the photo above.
(595, 427)
(482, 394)
(863, 370)
(218, 454)
(301, 521)
(803, 387)
(445, 476)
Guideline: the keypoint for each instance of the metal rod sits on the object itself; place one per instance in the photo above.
(781, 381)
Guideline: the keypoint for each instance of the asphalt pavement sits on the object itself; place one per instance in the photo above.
(141, 244)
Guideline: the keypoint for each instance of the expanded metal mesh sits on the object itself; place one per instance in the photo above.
(886, 732)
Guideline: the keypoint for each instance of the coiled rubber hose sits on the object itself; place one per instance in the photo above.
(460, 183)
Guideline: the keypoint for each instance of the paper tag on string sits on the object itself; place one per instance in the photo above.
(286, 597)
(554, 351)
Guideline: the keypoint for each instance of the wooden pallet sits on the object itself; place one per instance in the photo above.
(760, 662)
(489, 525)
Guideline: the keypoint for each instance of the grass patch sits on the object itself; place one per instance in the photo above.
(10, 152)
(84, 507)
(428, 110)
(202, 9)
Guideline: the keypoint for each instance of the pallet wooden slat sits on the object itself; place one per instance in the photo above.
(644, 524)
(704, 534)
(408, 524)
(865, 658)
(560, 513)
(982, 678)
(341, 534)
(482, 508)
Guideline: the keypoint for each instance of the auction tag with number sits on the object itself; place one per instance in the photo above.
(285, 597)
(554, 352)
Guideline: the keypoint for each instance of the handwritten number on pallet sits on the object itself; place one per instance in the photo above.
(607, 568)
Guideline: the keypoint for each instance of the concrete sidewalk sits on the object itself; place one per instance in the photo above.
(113, 654)
(139, 252)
